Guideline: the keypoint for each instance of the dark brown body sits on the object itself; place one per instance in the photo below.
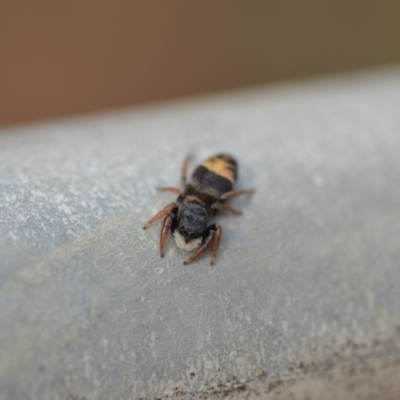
(210, 186)
(212, 179)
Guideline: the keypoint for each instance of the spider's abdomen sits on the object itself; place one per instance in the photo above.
(214, 177)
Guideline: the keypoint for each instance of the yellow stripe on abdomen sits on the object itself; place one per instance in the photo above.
(222, 167)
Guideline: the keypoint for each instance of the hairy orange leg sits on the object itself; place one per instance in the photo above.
(215, 244)
(165, 230)
(222, 207)
(230, 195)
(163, 213)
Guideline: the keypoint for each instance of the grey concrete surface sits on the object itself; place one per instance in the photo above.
(304, 300)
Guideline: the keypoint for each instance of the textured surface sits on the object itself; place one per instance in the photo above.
(307, 279)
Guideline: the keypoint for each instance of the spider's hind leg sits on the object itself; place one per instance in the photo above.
(184, 170)
(185, 167)
(170, 189)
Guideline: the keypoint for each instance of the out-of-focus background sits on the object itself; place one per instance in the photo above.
(65, 58)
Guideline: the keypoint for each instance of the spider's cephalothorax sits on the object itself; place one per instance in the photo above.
(211, 184)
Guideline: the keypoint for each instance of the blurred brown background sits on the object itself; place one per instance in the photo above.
(63, 58)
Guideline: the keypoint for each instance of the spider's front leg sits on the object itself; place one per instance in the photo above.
(163, 213)
(212, 238)
(165, 231)
(169, 214)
